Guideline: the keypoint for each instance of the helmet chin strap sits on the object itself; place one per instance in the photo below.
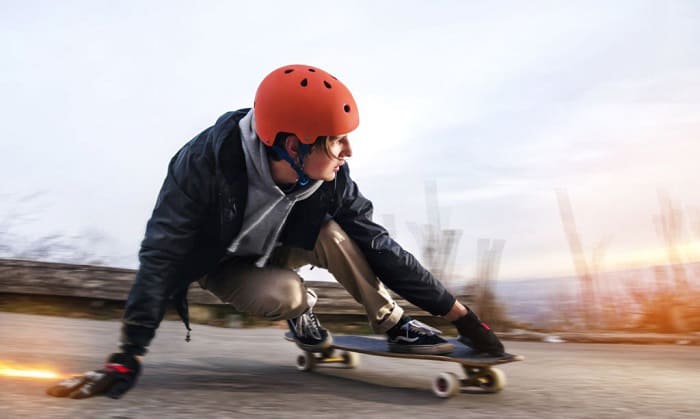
(302, 178)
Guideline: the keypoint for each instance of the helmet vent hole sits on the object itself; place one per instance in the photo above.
(346, 108)
(312, 70)
(304, 83)
(328, 85)
(289, 70)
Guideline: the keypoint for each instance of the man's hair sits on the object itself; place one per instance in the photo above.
(322, 143)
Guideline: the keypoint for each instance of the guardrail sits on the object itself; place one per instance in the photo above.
(105, 283)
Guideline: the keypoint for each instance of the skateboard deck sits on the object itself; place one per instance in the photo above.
(478, 368)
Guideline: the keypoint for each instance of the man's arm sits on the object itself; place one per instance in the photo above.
(170, 233)
(177, 218)
(402, 273)
(396, 268)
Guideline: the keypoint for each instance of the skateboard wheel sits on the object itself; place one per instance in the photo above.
(350, 359)
(492, 381)
(446, 385)
(306, 361)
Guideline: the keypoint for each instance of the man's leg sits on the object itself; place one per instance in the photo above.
(271, 292)
(339, 254)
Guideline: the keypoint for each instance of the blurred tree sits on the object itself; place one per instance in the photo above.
(51, 247)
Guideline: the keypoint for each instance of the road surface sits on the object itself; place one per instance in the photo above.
(242, 373)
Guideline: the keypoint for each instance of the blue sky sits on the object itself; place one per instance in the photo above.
(498, 103)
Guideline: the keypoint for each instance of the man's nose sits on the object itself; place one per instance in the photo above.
(347, 149)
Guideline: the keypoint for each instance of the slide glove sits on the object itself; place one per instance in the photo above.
(117, 376)
(478, 335)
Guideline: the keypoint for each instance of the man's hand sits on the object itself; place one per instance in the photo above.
(116, 378)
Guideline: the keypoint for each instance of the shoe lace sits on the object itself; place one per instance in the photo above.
(420, 328)
(308, 325)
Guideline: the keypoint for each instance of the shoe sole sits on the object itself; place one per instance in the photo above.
(319, 347)
(440, 349)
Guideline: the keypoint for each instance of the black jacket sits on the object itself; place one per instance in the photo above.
(200, 210)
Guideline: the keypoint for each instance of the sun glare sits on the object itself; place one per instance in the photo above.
(689, 252)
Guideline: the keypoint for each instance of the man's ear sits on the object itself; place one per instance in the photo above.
(291, 145)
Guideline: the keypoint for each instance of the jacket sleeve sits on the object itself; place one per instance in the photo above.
(396, 268)
(170, 233)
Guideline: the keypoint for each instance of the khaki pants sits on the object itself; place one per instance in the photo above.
(277, 291)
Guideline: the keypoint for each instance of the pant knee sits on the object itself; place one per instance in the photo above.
(332, 232)
(285, 300)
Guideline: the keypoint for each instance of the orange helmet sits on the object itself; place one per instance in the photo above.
(304, 101)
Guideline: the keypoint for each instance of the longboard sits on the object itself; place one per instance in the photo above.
(478, 368)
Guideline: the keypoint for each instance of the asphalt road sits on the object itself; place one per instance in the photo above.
(226, 373)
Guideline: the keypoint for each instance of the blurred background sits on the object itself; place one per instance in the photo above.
(538, 157)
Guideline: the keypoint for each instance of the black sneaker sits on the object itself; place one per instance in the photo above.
(307, 330)
(410, 336)
(478, 335)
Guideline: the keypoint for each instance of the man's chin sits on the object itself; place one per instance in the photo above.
(326, 178)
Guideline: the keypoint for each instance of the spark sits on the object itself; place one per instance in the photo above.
(17, 371)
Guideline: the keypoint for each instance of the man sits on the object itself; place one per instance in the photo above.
(259, 194)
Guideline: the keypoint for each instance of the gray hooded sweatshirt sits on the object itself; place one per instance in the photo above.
(268, 206)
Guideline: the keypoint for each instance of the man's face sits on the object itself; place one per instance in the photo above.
(319, 166)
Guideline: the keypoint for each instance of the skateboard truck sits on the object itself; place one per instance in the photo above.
(489, 379)
(308, 361)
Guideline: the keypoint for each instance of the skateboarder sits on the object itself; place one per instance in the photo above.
(258, 194)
